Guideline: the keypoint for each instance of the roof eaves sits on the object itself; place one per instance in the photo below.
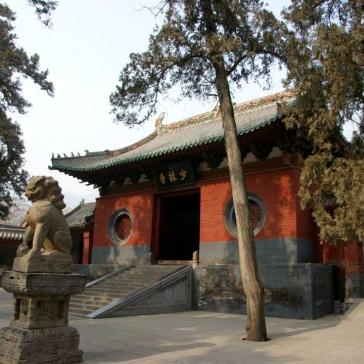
(119, 160)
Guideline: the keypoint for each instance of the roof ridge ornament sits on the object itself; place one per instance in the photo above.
(159, 122)
(264, 101)
(216, 110)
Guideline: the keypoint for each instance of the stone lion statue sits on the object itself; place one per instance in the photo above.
(47, 240)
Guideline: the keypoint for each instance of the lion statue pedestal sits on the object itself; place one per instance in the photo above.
(42, 284)
(47, 262)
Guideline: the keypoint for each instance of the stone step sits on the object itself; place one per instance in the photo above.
(79, 312)
(109, 293)
(113, 288)
(103, 299)
(150, 268)
(87, 300)
(142, 274)
(130, 281)
(135, 277)
(99, 296)
(95, 297)
(121, 285)
(147, 270)
(117, 287)
(123, 281)
(88, 307)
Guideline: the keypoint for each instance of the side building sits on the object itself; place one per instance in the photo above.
(167, 200)
(80, 222)
(11, 236)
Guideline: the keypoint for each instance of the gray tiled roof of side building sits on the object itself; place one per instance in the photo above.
(11, 232)
(77, 218)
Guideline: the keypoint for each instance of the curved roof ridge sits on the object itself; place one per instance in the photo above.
(199, 118)
(246, 106)
(252, 105)
(75, 209)
(135, 145)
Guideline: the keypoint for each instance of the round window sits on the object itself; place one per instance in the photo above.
(121, 226)
(257, 215)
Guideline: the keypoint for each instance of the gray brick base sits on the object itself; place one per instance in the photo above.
(300, 291)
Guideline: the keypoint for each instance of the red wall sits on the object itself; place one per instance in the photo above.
(277, 189)
(305, 225)
(348, 256)
(140, 206)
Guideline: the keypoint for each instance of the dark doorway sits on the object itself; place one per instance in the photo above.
(77, 246)
(179, 227)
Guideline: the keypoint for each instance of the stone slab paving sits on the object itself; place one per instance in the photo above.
(212, 338)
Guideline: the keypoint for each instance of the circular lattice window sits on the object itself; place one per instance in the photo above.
(120, 227)
(257, 215)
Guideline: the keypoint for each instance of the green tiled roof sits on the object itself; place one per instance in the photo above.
(187, 134)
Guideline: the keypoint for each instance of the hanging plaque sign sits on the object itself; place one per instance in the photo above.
(174, 175)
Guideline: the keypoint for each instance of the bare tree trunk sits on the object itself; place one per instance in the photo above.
(255, 327)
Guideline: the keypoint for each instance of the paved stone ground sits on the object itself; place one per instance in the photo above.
(211, 338)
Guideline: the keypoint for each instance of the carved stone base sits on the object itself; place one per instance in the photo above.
(38, 331)
(57, 345)
(42, 284)
(53, 262)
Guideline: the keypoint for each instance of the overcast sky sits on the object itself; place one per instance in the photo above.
(84, 51)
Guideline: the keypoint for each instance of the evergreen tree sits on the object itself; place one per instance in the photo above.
(43, 9)
(325, 59)
(15, 64)
(204, 46)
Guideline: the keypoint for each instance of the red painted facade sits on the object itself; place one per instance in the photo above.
(275, 183)
(140, 206)
(276, 190)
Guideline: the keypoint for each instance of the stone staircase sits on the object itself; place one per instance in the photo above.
(119, 286)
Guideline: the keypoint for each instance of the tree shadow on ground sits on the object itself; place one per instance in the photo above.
(184, 338)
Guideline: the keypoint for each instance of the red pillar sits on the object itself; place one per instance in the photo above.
(87, 246)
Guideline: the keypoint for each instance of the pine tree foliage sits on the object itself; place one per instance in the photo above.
(43, 9)
(12, 176)
(183, 50)
(15, 65)
(325, 59)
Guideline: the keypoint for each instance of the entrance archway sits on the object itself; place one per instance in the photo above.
(178, 233)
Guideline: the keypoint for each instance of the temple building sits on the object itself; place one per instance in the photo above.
(167, 200)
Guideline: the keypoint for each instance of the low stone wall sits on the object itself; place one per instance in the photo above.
(269, 251)
(300, 291)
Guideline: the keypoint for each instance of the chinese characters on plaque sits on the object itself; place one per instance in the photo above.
(177, 174)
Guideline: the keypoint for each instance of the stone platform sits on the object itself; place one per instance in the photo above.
(52, 345)
(38, 331)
